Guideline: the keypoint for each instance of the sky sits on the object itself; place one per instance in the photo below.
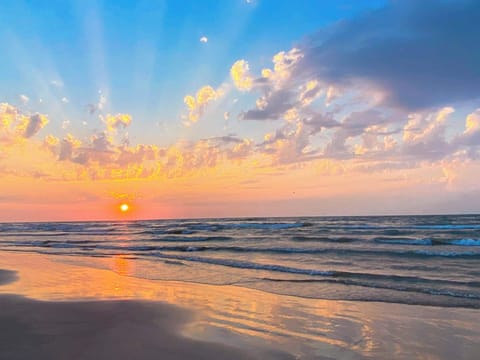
(186, 109)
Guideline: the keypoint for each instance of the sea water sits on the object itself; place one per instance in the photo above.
(423, 260)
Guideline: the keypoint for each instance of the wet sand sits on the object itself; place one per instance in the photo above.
(119, 329)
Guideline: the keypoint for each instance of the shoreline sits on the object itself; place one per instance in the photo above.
(247, 319)
(435, 302)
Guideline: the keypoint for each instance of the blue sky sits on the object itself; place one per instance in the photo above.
(145, 55)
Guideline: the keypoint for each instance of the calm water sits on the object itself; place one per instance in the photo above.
(428, 260)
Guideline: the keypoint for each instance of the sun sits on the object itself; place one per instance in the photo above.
(124, 207)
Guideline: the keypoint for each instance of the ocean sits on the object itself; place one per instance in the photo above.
(422, 260)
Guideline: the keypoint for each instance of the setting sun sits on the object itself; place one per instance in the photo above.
(124, 207)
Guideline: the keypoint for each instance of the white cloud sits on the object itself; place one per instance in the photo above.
(204, 39)
(65, 100)
(24, 99)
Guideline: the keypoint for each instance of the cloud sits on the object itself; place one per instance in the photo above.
(14, 124)
(93, 108)
(241, 150)
(421, 54)
(34, 124)
(283, 64)
(355, 124)
(370, 94)
(57, 83)
(65, 124)
(24, 99)
(424, 136)
(67, 146)
(288, 144)
(280, 93)
(309, 92)
(472, 123)
(64, 100)
(204, 39)
(51, 142)
(271, 106)
(240, 74)
(470, 138)
(117, 121)
(197, 104)
(319, 121)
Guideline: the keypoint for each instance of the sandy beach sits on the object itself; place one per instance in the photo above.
(55, 310)
(103, 329)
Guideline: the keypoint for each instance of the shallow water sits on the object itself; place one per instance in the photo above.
(426, 260)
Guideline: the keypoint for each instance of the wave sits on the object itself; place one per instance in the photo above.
(266, 226)
(403, 241)
(466, 242)
(163, 231)
(323, 239)
(436, 242)
(193, 239)
(243, 264)
(338, 251)
(388, 286)
(449, 226)
(447, 253)
(291, 250)
(313, 272)
(190, 228)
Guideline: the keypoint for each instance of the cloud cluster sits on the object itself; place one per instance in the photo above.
(378, 88)
(377, 92)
